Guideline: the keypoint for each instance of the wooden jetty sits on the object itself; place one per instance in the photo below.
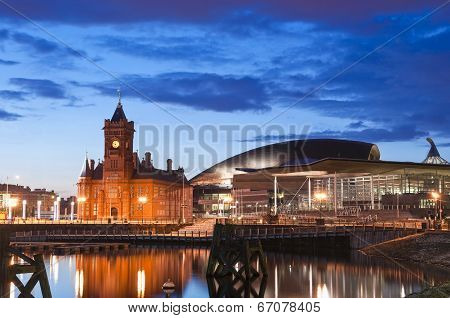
(232, 270)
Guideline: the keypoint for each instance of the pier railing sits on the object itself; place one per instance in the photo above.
(162, 221)
(239, 231)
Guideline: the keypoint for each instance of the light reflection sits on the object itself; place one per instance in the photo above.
(276, 281)
(54, 268)
(12, 290)
(310, 282)
(322, 291)
(141, 283)
(79, 283)
(108, 274)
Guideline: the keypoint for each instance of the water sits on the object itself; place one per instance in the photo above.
(141, 272)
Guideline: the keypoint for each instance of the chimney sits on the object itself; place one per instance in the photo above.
(92, 166)
(169, 165)
(148, 160)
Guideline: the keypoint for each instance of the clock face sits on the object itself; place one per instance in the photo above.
(115, 144)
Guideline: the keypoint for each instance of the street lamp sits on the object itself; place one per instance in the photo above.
(142, 201)
(12, 203)
(39, 203)
(72, 209)
(24, 209)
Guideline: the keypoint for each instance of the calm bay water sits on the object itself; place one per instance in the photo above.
(141, 272)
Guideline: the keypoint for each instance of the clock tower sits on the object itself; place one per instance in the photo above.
(118, 156)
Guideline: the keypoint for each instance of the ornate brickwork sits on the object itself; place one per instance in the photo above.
(124, 188)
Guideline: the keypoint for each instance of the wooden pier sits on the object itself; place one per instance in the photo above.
(353, 236)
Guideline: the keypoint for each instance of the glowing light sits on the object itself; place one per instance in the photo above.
(12, 202)
(320, 196)
(81, 199)
(435, 195)
(227, 200)
(142, 199)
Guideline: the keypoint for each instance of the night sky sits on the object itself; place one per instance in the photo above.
(375, 71)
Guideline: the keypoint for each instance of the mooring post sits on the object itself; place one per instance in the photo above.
(4, 261)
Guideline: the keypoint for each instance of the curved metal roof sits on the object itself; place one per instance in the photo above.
(295, 152)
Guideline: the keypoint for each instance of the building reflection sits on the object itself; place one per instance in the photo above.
(141, 272)
(353, 276)
(136, 272)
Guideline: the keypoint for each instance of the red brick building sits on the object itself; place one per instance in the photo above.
(123, 187)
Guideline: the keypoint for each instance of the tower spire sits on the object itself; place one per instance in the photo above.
(119, 94)
(119, 114)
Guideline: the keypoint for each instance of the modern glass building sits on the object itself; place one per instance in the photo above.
(335, 177)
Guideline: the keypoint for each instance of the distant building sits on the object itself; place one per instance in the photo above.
(325, 176)
(16, 195)
(123, 187)
(214, 190)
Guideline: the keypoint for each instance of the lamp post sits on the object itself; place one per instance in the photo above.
(24, 209)
(72, 210)
(39, 203)
(142, 201)
(55, 208)
(58, 208)
(12, 203)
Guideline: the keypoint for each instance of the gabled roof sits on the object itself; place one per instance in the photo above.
(98, 172)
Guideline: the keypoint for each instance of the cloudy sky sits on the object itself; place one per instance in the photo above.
(376, 71)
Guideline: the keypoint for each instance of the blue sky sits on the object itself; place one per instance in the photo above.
(210, 63)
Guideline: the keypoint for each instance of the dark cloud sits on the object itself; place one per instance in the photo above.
(40, 87)
(40, 45)
(13, 95)
(399, 133)
(200, 91)
(8, 62)
(45, 47)
(401, 83)
(4, 34)
(7, 116)
(356, 125)
(352, 13)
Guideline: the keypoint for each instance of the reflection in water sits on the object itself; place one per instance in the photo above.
(54, 268)
(141, 272)
(141, 283)
(79, 283)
